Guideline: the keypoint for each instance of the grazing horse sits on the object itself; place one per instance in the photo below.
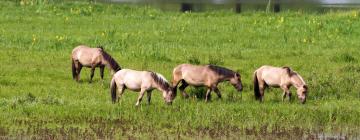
(204, 75)
(282, 77)
(92, 58)
(143, 81)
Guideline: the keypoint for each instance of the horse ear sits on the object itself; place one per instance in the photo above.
(101, 47)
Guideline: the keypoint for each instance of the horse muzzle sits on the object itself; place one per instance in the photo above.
(303, 100)
(240, 88)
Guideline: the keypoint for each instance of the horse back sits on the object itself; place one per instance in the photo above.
(133, 79)
(197, 75)
(273, 76)
(188, 68)
(86, 55)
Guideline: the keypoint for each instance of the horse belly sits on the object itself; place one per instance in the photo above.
(85, 61)
(87, 58)
(133, 86)
(272, 84)
(272, 80)
(194, 82)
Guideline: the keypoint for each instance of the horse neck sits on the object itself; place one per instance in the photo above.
(110, 65)
(226, 77)
(158, 81)
(297, 81)
(160, 87)
(109, 61)
(107, 64)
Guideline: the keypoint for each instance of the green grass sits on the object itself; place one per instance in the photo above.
(38, 97)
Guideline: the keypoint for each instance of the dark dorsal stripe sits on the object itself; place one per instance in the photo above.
(113, 64)
(221, 70)
(158, 80)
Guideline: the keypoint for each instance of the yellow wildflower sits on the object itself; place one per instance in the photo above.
(281, 20)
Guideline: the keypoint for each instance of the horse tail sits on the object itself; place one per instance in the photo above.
(113, 90)
(256, 87)
(73, 68)
(176, 78)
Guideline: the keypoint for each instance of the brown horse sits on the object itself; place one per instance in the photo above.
(83, 56)
(204, 75)
(282, 77)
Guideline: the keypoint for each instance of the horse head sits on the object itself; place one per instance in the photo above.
(302, 93)
(236, 81)
(169, 95)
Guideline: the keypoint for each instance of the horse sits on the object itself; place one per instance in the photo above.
(204, 75)
(283, 77)
(143, 81)
(84, 56)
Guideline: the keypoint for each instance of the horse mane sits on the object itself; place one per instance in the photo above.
(160, 80)
(289, 71)
(113, 64)
(305, 87)
(221, 70)
(292, 73)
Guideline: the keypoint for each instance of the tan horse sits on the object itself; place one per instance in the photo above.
(143, 81)
(83, 56)
(282, 77)
(204, 75)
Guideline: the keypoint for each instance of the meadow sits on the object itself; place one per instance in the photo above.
(39, 98)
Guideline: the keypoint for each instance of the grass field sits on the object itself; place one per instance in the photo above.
(39, 98)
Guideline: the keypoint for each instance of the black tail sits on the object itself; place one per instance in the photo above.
(113, 90)
(175, 84)
(73, 69)
(256, 87)
(174, 87)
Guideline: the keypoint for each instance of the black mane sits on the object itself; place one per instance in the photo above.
(113, 64)
(221, 70)
(160, 81)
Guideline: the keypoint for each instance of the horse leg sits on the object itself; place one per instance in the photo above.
(149, 96)
(102, 72)
(141, 95)
(208, 96)
(217, 91)
(262, 90)
(121, 89)
(289, 94)
(286, 91)
(92, 73)
(182, 88)
(284, 96)
(78, 70)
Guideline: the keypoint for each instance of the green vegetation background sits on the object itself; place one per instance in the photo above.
(38, 97)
